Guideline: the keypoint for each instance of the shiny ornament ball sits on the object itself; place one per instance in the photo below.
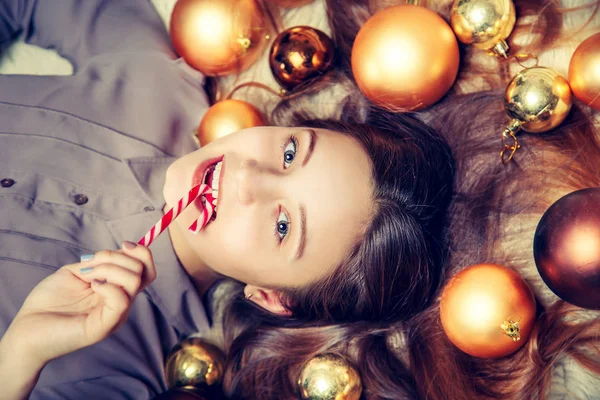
(292, 3)
(329, 377)
(584, 71)
(566, 248)
(405, 58)
(487, 310)
(485, 24)
(193, 363)
(218, 37)
(538, 99)
(300, 54)
(226, 117)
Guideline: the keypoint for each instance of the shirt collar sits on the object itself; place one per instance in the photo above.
(172, 291)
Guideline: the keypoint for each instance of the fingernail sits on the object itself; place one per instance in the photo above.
(86, 257)
(129, 245)
(86, 270)
(98, 282)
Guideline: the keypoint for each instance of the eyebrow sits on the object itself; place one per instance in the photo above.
(311, 146)
(309, 152)
(302, 243)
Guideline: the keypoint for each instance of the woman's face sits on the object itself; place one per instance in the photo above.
(291, 203)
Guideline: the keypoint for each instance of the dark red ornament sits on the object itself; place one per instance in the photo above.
(566, 248)
(300, 54)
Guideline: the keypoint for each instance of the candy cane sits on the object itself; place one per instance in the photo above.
(174, 212)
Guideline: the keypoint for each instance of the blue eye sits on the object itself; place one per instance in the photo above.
(289, 151)
(282, 226)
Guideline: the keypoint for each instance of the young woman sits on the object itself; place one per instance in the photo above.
(86, 163)
(336, 229)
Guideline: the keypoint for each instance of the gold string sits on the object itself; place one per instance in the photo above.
(509, 150)
(259, 85)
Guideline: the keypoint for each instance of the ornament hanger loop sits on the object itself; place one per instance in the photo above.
(521, 57)
(259, 85)
(509, 150)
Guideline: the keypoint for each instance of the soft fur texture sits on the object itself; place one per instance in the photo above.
(570, 381)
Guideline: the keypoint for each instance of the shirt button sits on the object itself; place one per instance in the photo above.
(80, 199)
(7, 182)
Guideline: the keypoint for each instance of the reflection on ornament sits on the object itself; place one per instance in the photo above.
(405, 58)
(566, 248)
(537, 99)
(487, 310)
(292, 3)
(218, 37)
(484, 23)
(584, 71)
(226, 117)
(194, 362)
(329, 377)
(299, 54)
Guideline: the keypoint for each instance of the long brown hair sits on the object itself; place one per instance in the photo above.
(444, 202)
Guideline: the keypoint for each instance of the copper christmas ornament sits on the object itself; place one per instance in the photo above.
(300, 54)
(291, 3)
(219, 37)
(405, 58)
(537, 99)
(484, 23)
(566, 248)
(193, 363)
(329, 377)
(487, 310)
(226, 117)
(584, 71)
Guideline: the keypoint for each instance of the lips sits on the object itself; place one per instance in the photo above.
(201, 169)
(199, 175)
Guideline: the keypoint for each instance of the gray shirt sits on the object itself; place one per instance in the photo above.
(82, 164)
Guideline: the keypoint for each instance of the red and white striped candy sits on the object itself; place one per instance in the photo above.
(207, 213)
(174, 212)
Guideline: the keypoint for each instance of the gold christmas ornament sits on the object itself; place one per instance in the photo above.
(219, 37)
(329, 377)
(487, 310)
(584, 71)
(405, 58)
(485, 24)
(194, 362)
(226, 117)
(537, 99)
(300, 54)
(291, 3)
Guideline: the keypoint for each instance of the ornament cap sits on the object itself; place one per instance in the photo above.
(500, 49)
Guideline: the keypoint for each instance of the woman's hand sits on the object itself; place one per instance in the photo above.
(80, 304)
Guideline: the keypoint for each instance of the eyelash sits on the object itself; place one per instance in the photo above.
(294, 141)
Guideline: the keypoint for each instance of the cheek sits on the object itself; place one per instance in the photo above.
(234, 246)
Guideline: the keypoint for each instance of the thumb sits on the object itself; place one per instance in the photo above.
(110, 314)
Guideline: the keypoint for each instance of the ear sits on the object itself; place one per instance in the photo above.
(268, 299)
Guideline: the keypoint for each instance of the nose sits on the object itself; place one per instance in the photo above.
(256, 182)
